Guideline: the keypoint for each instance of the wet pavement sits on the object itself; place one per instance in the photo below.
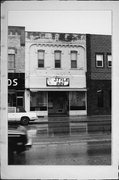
(65, 148)
(66, 154)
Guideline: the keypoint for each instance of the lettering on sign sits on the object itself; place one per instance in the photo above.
(57, 81)
(12, 82)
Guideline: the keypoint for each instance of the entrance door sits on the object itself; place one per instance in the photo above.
(58, 103)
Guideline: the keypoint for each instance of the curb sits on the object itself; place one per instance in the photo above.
(48, 143)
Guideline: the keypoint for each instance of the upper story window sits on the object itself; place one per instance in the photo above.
(57, 55)
(109, 60)
(99, 60)
(41, 54)
(11, 59)
(73, 59)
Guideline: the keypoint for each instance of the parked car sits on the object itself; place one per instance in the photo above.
(20, 115)
(18, 142)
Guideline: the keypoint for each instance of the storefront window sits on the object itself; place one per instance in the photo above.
(38, 101)
(77, 101)
(15, 99)
(12, 99)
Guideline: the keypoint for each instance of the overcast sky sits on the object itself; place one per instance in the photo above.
(93, 22)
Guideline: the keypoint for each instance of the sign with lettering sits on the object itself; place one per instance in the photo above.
(16, 81)
(12, 82)
(57, 81)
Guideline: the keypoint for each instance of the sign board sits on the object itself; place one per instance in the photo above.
(57, 81)
(16, 81)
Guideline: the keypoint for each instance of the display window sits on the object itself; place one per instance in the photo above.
(38, 101)
(77, 100)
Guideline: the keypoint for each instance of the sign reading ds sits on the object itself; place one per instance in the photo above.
(57, 81)
(16, 81)
(12, 82)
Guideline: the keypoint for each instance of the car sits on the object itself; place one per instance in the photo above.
(18, 142)
(20, 115)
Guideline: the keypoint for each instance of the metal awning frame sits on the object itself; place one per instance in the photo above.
(57, 89)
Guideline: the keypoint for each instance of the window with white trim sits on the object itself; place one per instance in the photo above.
(99, 60)
(41, 54)
(57, 57)
(109, 60)
(11, 59)
(73, 59)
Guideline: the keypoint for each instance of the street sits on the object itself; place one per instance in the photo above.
(66, 154)
(81, 148)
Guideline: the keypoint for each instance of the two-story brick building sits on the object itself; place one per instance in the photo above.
(55, 70)
(16, 66)
(99, 62)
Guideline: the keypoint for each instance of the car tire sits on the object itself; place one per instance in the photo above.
(24, 120)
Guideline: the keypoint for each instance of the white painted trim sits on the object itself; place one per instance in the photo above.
(77, 112)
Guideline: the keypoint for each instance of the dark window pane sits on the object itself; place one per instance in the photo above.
(57, 64)
(99, 63)
(73, 64)
(19, 101)
(40, 63)
(109, 63)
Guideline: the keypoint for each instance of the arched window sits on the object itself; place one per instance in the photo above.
(73, 59)
(57, 56)
(41, 54)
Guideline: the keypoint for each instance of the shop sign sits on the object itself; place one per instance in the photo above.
(16, 81)
(57, 81)
(12, 82)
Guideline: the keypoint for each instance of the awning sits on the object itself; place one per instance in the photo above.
(57, 89)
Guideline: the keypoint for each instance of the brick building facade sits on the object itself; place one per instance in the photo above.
(16, 66)
(99, 62)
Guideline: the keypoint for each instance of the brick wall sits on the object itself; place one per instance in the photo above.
(98, 78)
(16, 41)
(98, 44)
(92, 98)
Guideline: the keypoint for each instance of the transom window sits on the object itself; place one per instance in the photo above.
(73, 59)
(109, 59)
(99, 60)
(41, 54)
(57, 55)
(11, 59)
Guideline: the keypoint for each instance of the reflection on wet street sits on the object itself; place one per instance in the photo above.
(66, 154)
(49, 148)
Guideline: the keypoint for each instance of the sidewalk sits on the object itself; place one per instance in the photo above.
(81, 118)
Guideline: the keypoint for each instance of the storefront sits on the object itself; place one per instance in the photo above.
(16, 87)
(58, 99)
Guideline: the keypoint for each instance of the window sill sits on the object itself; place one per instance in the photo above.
(41, 68)
(99, 66)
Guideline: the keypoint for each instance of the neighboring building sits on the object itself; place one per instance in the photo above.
(55, 71)
(16, 66)
(99, 63)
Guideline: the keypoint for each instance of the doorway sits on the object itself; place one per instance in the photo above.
(58, 103)
(58, 111)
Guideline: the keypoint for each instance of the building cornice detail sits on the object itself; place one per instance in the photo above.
(56, 45)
